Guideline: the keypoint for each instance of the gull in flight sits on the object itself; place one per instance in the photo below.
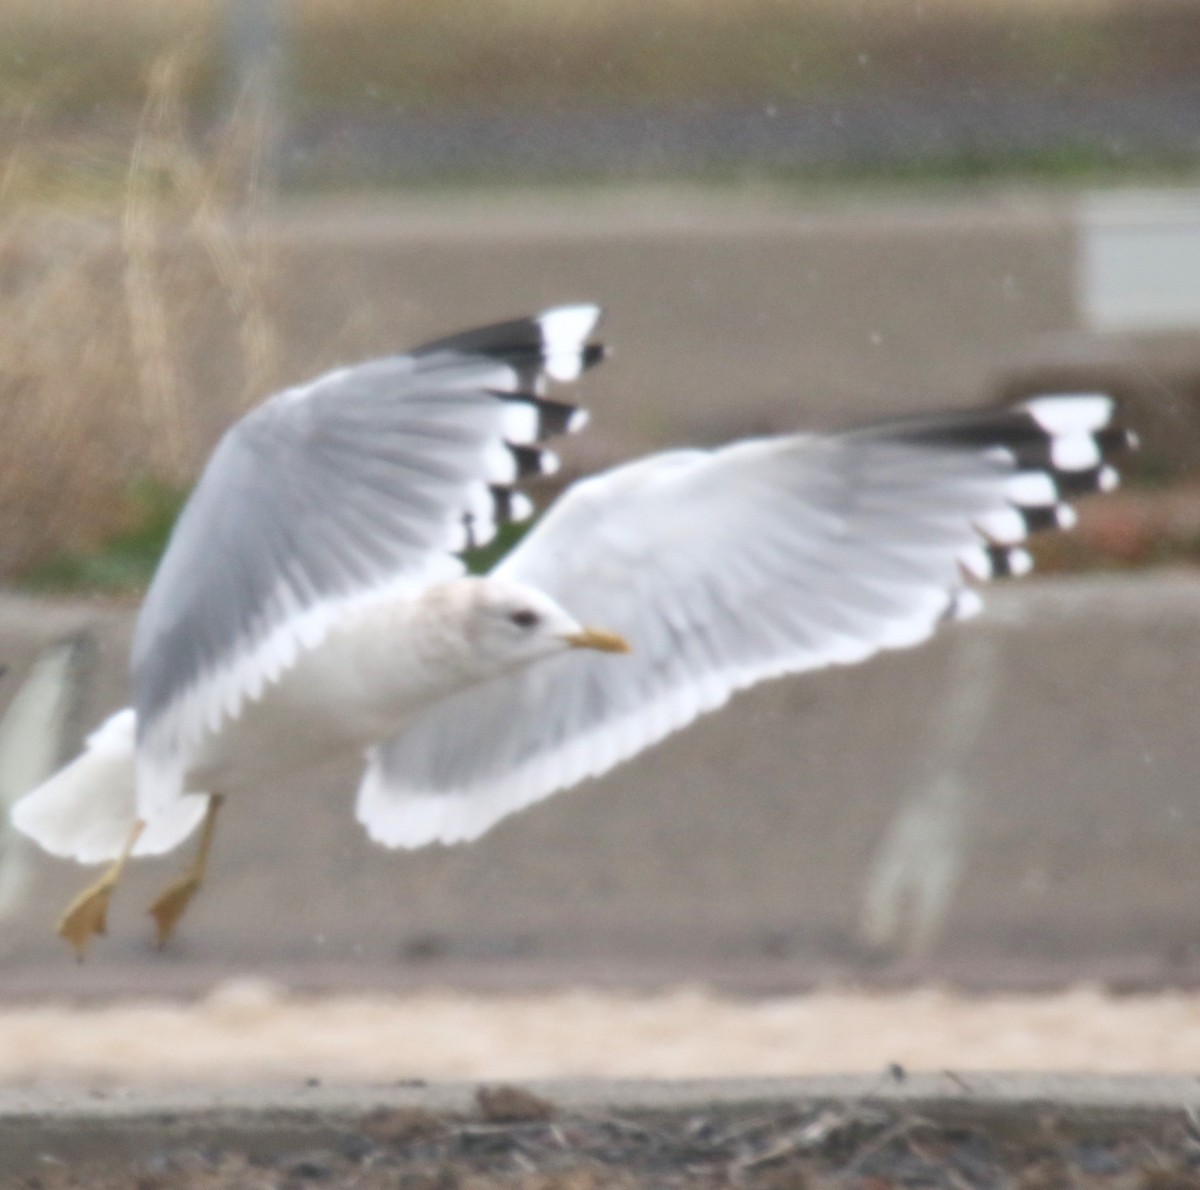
(312, 602)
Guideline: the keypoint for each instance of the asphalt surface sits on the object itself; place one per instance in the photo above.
(955, 127)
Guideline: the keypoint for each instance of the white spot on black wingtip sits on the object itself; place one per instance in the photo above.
(1004, 526)
(965, 604)
(564, 339)
(520, 422)
(529, 418)
(500, 466)
(975, 561)
(1020, 562)
(1074, 451)
(1039, 455)
(1066, 517)
(1031, 488)
(1071, 413)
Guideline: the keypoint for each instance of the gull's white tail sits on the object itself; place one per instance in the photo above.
(86, 811)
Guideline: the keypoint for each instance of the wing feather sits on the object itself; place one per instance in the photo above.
(368, 479)
(722, 569)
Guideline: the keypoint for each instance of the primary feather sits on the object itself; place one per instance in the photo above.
(723, 568)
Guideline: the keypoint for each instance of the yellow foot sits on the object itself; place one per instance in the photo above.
(87, 915)
(169, 907)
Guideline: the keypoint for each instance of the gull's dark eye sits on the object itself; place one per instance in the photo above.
(525, 619)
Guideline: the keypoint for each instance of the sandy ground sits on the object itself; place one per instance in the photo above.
(248, 1031)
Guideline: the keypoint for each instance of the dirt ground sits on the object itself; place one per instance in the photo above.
(248, 1031)
(789, 1149)
(783, 1136)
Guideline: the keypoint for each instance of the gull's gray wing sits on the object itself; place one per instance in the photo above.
(370, 477)
(721, 569)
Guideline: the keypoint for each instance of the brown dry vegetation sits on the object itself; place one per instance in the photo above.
(116, 231)
(94, 305)
(363, 55)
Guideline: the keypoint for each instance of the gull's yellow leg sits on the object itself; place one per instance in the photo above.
(169, 906)
(87, 914)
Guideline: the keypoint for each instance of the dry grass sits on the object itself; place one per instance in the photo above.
(374, 53)
(119, 264)
(71, 56)
(78, 59)
(94, 308)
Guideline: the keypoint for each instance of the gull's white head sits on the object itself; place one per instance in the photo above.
(510, 625)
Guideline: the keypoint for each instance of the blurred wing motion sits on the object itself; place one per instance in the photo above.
(727, 567)
(367, 479)
(36, 727)
(35, 733)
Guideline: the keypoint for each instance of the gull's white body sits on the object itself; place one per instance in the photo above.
(355, 688)
(386, 659)
(310, 604)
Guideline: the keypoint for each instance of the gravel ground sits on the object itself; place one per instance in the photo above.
(950, 1132)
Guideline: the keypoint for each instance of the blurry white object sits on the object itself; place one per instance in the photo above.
(1139, 261)
(919, 863)
(33, 738)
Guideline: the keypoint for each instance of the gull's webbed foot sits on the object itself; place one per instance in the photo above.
(87, 915)
(169, 906)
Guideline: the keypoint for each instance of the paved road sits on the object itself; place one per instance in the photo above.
(959, 128)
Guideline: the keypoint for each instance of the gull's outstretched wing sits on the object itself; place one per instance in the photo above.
(724, 568)
(370, 477)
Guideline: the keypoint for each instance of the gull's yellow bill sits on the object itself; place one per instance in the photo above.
(597, 638)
